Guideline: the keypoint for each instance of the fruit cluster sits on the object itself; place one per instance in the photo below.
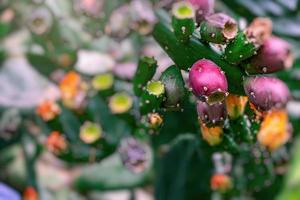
(253, 52)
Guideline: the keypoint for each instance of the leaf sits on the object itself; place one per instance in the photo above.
(42, 63)
(70, 124)
(184, 171)
(291, 190)
(109, 175)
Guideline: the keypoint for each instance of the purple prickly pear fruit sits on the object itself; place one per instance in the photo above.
(267, 93)
(203, 8)
(274, 55)
(212, 115)
(208, 81)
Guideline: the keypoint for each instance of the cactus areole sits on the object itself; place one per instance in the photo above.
(208, 82)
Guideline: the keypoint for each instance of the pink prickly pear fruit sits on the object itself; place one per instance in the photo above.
(274, 55)
(208, 82)
(266, 93)
(203, 8)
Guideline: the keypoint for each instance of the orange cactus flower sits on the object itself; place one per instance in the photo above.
(220, 182)
(69, 85)
(235, 105)
(155, 120)
(212, 135)
(48, 110)
(56, 143)
(274, 129)
(73, 90)
(30, 194)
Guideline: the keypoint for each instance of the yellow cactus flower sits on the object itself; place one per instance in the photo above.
(235, 105)
(274, 129)
(212, 135)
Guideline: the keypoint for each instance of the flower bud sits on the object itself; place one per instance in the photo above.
(56, 143)
(103, 81)
(212, 135)
(212, 115)
(266, 92)
(220, 182)
(40, 21)
(183, 20)
(152, 97)
(90, 132)
(203, 8)
(235, 105)
(30, 194)
(208, 82)
(154, 120)
(274, 130)
(134, 155)
(274, 55)
(48, 110)
(218, 28)
(120, 103)
(66, 59)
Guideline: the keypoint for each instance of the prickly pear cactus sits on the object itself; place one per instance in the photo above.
(194, 99)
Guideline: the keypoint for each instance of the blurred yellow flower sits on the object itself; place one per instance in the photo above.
(274, 129)
(213, 135)
(235, 105)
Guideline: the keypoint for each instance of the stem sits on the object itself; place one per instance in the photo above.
(29, 166)
(185, 55)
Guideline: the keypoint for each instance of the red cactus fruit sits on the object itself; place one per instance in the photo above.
(266, 93)
(208, 81)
